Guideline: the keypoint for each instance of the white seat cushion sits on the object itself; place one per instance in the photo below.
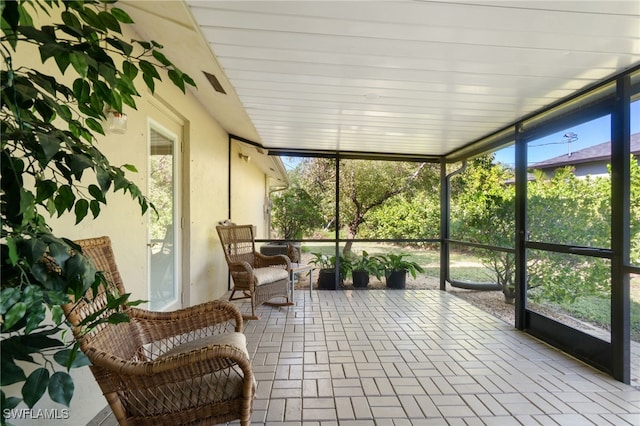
(269, 275)
(235, 339)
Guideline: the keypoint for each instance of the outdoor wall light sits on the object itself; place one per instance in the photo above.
(244, 157)
(116, 121)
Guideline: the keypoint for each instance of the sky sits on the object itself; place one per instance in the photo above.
(570, 139)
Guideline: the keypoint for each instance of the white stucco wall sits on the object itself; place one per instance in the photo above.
(248, 192)
(205, 195)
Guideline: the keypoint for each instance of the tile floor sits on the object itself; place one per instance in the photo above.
(416, 357)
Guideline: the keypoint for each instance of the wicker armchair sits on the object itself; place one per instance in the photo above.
(257, 276)
(189, 366)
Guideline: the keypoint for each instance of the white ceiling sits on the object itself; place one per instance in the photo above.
(401, 77)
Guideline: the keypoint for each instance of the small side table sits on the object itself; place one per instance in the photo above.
(297, 269)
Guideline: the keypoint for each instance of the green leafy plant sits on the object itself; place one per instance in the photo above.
(369, 264)
(322, 260)
(328, 262)
(398, 262)
(49, 151)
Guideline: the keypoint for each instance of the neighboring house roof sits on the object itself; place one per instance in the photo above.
(591, 154)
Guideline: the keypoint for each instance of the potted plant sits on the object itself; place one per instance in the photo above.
(362, 267)
(327, 270)
(396, 268)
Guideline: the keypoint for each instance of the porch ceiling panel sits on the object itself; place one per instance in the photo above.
(406, 77)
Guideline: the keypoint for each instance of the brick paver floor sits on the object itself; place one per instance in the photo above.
(418, 357)
(415, 357)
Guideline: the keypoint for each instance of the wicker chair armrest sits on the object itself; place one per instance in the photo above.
(165, 369)
(215, 311)
(242, 274)
(240, 267)
(274, 260)
(216, 316)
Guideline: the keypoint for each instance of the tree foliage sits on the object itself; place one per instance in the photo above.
(366, 185)
(483, 211)
(562, 209)
(161, 192)
(635, 211)
(483, 204)
(317, 176)
(295, 213)
(405, 216)
(366, 188)
(51, 165)
(565, 209)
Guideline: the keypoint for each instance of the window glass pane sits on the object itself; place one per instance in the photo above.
(572, 289)
(634, 216)
(634, 234)
(569, 190)
(635, 330)
(162, 287)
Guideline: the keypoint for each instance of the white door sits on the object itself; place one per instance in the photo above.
(165, 292)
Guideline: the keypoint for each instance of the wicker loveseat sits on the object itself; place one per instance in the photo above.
(189, 366)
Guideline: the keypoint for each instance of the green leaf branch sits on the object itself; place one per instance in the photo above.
(50, 166)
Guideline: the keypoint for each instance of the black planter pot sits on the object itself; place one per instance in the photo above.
(327, 279)
(396, 280)
(360, 278)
